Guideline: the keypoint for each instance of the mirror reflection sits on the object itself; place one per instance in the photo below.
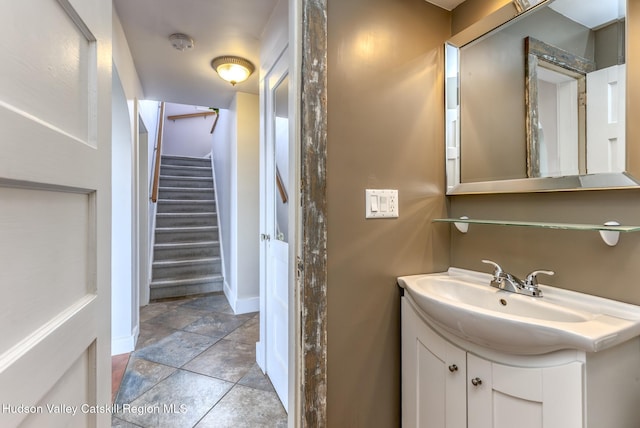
(542, 96)
(281, 154)
(556, 93)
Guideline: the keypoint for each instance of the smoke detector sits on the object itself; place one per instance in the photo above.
(181, 42)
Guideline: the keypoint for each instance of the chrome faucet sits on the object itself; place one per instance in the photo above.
(508, 282)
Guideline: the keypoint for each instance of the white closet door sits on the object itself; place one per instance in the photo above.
(55, 122)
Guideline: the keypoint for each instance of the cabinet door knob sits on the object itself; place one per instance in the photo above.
(453, 368)
(476, 381)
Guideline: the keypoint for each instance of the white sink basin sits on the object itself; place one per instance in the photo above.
(463, 303)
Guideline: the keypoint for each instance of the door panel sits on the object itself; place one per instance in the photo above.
(511, 411)
(278, 321)
(62, 94)
(71, 390)
(431, 382)
(526, 397)
(433, 376)
(606, 120)
(479, 393)
(55, 122)
(44, 232)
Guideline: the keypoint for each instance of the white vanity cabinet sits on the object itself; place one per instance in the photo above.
(434, 374)
(503, 396)
(447, 384)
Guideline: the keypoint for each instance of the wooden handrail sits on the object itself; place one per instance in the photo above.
(156, 170)
(281, 187)
(187, 116)
(201, 114)
(215, 121)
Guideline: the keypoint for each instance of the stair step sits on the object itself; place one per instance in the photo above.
(183, 170)
(185, 193)
(185, 219)
(185, 287)
(185, 281)
(185, 181)
(186, 268)
(186, 234)
(180, 206)
(186, 250)
(185, 161)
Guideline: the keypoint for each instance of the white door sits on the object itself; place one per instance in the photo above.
(274, 334)
(606, 120)
(55, 125)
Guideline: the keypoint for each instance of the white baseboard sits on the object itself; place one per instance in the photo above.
(241, 306)
(248, 305)
(227, 292)
(260, 356)
(123, 345)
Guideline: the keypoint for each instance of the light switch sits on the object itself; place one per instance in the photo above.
(374, 203)
(381, 203)
(384, 204)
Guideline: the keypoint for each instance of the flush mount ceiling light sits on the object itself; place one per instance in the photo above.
(181, 42)
(233, 69)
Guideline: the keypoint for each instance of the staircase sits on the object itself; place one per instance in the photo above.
(186, 253)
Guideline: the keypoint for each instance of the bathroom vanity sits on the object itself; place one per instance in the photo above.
(456, 376)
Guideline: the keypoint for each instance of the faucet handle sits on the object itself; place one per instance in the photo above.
(532, 278)
(497, 272)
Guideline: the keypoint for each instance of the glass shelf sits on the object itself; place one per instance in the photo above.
(546, 225)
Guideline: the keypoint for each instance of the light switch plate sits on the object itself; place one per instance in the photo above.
(381, 203)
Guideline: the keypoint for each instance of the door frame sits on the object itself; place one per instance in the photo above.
(307, 23)
(140, 217)
(309, 29)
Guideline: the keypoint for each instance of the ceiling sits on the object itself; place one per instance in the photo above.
(446, 4)
(591, 14)
(218, 27)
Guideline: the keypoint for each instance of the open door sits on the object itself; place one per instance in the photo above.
(274, 331)
(55, 121)
(606, 147)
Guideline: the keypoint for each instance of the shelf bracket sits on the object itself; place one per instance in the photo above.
(610, 237)
(462, 227)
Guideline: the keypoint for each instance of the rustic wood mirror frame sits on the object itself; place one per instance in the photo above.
(541, 54)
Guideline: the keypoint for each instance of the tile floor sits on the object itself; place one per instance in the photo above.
(194, 366)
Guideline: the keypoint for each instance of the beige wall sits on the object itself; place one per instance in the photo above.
(385, 130)
(581, 260)
(239, 174)
(472, 10)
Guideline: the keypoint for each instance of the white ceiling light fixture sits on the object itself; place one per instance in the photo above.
(181, 42)
(233, 69)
